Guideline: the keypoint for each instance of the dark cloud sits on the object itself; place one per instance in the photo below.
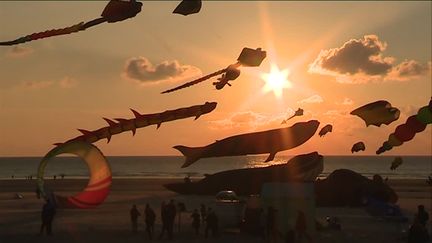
(141, 69)
(362, 60)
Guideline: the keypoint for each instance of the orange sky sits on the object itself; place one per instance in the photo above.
(50, 87)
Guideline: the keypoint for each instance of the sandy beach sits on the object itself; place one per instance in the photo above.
(20, 218)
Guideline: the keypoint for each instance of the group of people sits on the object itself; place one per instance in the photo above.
(168, 215)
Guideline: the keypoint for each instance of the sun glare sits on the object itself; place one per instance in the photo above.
(276, 80)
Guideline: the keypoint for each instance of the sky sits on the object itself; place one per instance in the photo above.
(337, 56)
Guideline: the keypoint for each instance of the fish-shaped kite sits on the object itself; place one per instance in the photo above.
(377, 113)
(405, 132)
(114, 11)
(326, 129)
(396, 163)
(271, 141)
(187, 7)
(298, 112)
(248, 58)
(360, 146)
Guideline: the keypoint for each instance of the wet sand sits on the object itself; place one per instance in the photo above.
(20, 218)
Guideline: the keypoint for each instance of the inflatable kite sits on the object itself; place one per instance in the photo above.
(326, 129)
(141, 120)
(99, 184)
(405, 132)
(187, 7)
(248, 58)
(271, 141)
(396, 163)
(114, 11)
(360, 146)
(377, 113)
(298, 112)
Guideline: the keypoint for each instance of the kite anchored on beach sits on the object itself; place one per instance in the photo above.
(271, 141)
(248, 58)
(142, 120)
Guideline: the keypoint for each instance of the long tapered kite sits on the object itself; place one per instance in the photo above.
(360, 146)
(396, 163)
(141, 120)
(114, 11)
(98, 186)
(187, 7)
(405, 132)
(271, 142)
(377, 113)
(298, 112)
(248, 58)
(326, 129)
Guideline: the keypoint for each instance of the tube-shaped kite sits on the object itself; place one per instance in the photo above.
(405, 132)
(114, 11)
(248, 57)
(141, 120)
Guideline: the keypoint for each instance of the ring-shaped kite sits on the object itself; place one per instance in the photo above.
(99, 184)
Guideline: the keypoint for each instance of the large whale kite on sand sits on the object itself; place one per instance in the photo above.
(271, 141)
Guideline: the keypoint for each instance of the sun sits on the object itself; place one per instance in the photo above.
(276, 80)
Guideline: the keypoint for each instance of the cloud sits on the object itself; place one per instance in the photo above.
(312, 100)
(63, 83)
(142, 70)
(362, 60)
(347, 101)
(19, 51)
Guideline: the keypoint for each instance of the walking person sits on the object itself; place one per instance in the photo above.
(164, 219)
(150, 218)
(203, 211)
(171, 214)
(134, 214)
(196, 221)
(211, 223)
(48, 213)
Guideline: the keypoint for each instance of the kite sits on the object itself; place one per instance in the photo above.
(357, 147)
(248, 58)
(99, 184)
(405, 132)
(141, 120)
(396, 163)
(114, 11)
(298, 112)
(326, 129)
(377, 113)
(270, 141)
(187, 7)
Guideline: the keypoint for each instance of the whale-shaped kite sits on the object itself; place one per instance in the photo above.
(187, 7)
(377, 113)
(360, 146)
(326, 129)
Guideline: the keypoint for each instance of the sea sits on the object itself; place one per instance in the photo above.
(413, 167)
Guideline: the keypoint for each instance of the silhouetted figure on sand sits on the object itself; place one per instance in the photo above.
(171, 214)
(134, 214)
(38, 193)
(418, 233)
(196, 221)
(422, 215)
(203, 211)
(48, 213)
(164, 218)
(211, 223)
(150, 218)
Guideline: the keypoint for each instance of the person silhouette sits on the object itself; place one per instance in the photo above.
(164, 218)
(196, 221)
(134, 214)
(48, 213)
(171, 214)
(150, 218)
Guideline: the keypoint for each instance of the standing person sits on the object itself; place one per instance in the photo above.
(301, 227)
(48, 212)
(171, 214)
(211, 223)
(134, 214)
(150, 218)
(422, 215)
(203, 211)
(164, 219)
(196, 221)
(271, 229)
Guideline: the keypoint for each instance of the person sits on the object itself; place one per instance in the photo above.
(150, 218)
(171, 214)
(187, 179)
(134, 214)
(196, 221)
(38, 193)
(164, 219)
(271, 229)
(422, 215)
(301, 227)
(203, 211)
(211, 223)
(417, 232)
(48, 213)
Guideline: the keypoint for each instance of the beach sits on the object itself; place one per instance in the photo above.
(110, 222)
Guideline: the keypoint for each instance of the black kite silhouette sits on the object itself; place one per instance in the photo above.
(377, 113)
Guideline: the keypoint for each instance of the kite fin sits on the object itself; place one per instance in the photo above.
(191, 154)
(86, 132)
(198, 116)
(110, 122)
(270, 157)
(158, 125)
(108, 138)
(136, 113)
(133, 131)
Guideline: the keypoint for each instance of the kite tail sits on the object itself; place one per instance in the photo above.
(191, 154)
(121, 125)
(405, 132)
